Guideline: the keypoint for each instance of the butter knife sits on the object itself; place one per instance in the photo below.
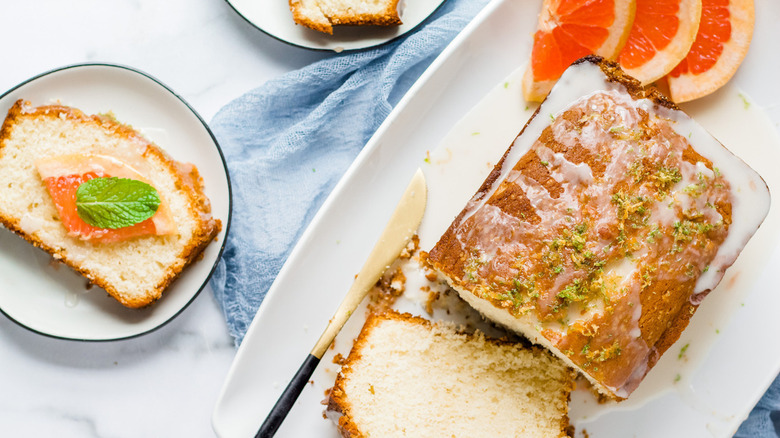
(402, 225)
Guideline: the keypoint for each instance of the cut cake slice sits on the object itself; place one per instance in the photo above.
(135, 271)
(408, 377)
(322, 15)
(604, 225)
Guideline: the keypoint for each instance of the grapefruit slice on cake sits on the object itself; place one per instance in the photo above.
(720, 46)
(566, 31)
(662, 34)
(64, 174)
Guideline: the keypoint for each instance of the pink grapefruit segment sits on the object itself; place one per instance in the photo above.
(721, 44)
(660, 38)
(62, 177)
(568, 30)
(63, 191)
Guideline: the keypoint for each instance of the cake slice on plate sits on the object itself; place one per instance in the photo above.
(322, 15)
(49, 153)
(607, 221)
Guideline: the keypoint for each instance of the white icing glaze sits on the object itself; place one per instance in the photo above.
(750, 197)
(586, 81)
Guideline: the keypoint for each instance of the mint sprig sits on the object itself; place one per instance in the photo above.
(112, 202)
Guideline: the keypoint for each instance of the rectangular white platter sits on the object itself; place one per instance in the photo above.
(731, 355)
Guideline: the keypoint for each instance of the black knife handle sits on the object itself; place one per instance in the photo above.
(288, 398)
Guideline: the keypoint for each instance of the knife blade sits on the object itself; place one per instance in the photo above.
(400, 228)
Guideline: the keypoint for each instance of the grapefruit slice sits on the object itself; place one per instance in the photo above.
(720, 46)
(662, 34)
(62, 177)
(570, 29)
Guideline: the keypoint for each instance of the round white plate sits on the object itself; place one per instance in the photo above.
(274, 18)
(51, 299)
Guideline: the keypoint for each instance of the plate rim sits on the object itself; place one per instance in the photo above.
(227, 178)
(332, 50)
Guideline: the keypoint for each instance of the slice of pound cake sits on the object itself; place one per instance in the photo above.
(604, 225)
(99, 197)
(408, 377)
(322, 15)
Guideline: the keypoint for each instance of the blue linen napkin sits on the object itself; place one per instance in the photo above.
(289, 141)
(764, 420)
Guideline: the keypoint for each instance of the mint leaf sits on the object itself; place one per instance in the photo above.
(116, 202)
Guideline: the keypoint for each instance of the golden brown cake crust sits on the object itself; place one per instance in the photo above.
(665, 303)
(304, 20)
(187, 178)
(388, 17)
(339, 403)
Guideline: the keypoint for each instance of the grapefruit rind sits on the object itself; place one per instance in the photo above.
(689, 16)
(689, 86)
(625, 12)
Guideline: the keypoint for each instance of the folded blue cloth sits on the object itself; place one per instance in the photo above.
(288, 142)
(764, 420)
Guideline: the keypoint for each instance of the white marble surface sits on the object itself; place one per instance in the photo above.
(163, 384)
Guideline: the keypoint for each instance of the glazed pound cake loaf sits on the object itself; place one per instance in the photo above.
(604, 225)
(64, 175)
(407, 377)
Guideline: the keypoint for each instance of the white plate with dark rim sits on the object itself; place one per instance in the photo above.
(275, 19)
(731, 355)
(53, 300)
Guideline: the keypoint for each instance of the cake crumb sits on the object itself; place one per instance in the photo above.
(386, 291)
(326, 401)
(432, 296)
(339, 359)
(411, 248)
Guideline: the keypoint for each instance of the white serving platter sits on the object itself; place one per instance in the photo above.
(704, 391)
(274, 18)
(53, 300)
